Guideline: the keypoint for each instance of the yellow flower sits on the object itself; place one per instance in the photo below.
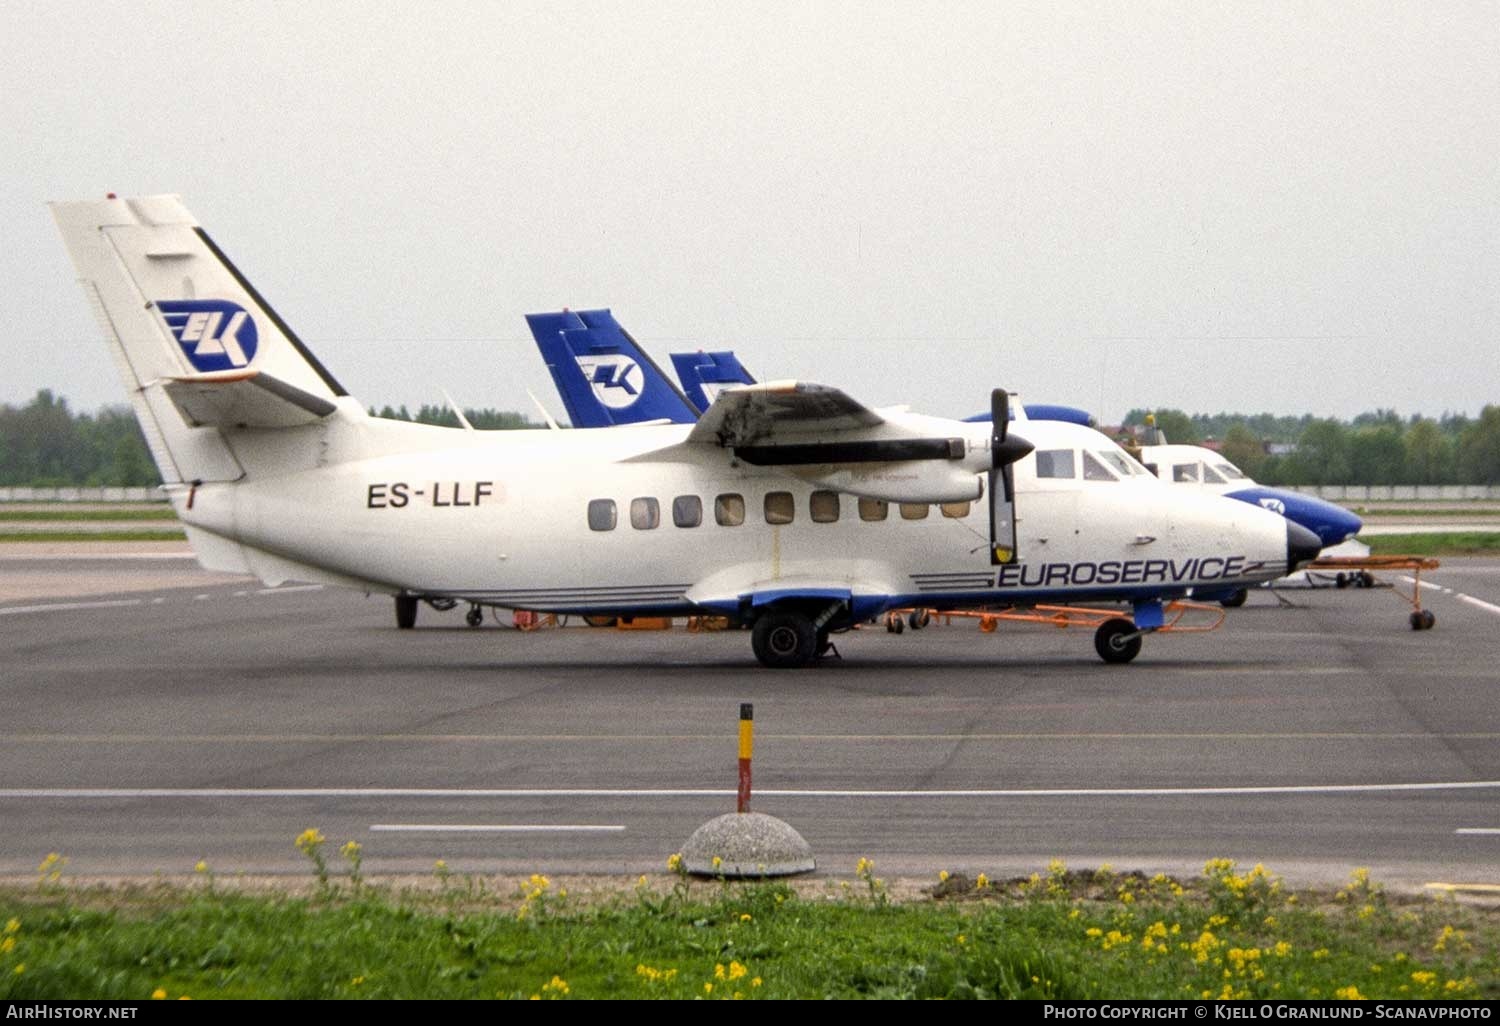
(201, 867)
(7, 945)
(736, 970)
(981, 881)
(309, 839)
(942, 876)
(350, 849)
(674, 862)
(1350, 993)
(755, 982)
(158, 994)
(746, 917)
(22, 968)
(708, 988)
(642, 881)
(962, 939)
(356, 981)
(13, 926)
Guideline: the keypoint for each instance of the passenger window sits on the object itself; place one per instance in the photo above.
(956, 510)
(1055, 463)
(781, 508)
(914, 511)
(601, 514)
(729, 510)
(687, 511)
(1093, 470)
(1185, 472)
(825, 507)
(645, 514)
(874, 509)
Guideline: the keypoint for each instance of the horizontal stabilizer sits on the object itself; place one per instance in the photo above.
(244, 399)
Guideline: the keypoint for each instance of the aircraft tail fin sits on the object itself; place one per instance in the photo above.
(602, 374)
(705, 375)
(198, 348)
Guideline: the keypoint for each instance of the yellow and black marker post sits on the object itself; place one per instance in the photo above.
(747, 742)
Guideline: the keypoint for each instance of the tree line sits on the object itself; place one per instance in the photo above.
(1379, 448)
(44, 443)
(47, 445)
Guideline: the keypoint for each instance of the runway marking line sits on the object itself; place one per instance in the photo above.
(496, 828)
(710, 792)
(1488, 607)
(1472, 888)
(58, 607)
(287, 590)
(1478, 831)
(405, 739)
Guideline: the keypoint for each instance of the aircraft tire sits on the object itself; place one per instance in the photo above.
(1423, 620)
(474, 617)
(600, 621)
(1235, 599)
(784, 640)
(1111, 643)
(406, 612)
(918, 618)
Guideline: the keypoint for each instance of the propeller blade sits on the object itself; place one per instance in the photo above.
(999, 415)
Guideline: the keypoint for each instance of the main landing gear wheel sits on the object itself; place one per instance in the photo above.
(784, 640)
(1113, 642)
(1423, 620)
(406, 611)
(600, 621)
(474, 617)
(1235, 599)
(918, 618)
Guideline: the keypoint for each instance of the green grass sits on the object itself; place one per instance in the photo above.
(1442, 543)
(91, 536)
(1062, 935)
(163, 513)
(1453, 510)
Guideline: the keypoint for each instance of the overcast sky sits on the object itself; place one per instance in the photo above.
(1286, 207)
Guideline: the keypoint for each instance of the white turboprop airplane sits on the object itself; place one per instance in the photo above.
(775, 509)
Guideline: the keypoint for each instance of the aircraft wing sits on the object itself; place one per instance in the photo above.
(790, 423)
(781, 411)
(822, 436)
(243, 398)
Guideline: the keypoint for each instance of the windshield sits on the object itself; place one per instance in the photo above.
(1230, 471)
(1093, 470)
(1124, 464)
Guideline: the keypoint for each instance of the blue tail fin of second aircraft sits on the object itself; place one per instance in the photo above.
(602, 374)
(703, 375)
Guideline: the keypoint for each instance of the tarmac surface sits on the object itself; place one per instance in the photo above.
(155, 714)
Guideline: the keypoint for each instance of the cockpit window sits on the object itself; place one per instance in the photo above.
(1055, 463)
(1230, 471)
(1211, 476)
(1185, 472)
(1120, 463)
(1093, 470)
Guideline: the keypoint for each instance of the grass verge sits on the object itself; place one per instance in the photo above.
(163, 512)
(1443, 543)
(91, 536)
(1061, 934)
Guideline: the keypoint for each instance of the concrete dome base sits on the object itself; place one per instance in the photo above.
(748, 845)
